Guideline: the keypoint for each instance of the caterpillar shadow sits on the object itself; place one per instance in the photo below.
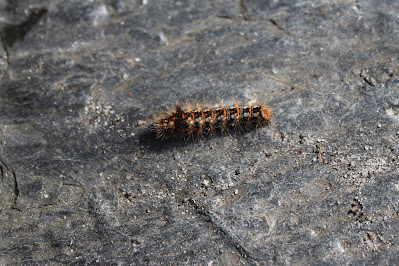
(148, 139)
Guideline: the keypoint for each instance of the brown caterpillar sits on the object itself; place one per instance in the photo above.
(188, 123)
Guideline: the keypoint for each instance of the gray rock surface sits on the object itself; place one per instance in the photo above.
(82, 181)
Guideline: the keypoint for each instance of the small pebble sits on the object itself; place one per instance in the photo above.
(205, 183)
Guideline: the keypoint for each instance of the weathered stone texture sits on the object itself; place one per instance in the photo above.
(83, 181)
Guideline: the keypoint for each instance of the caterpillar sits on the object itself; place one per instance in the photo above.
(187, 123)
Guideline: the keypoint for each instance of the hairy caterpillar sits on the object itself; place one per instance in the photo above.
(186, 123)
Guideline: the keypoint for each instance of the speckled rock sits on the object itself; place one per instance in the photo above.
(83, 180)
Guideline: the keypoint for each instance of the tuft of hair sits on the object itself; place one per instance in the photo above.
(266, 113)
